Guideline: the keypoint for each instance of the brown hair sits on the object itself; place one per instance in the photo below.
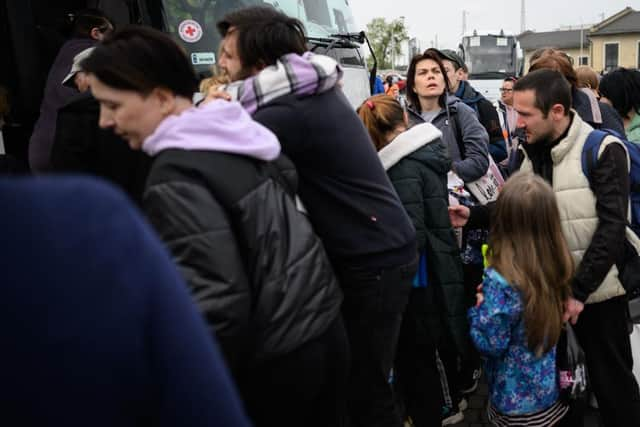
(554, 59)
(412, 96)
(381, 114)
(587, 77)
(528, 248)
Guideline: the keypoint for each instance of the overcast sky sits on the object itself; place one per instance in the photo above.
(426, 18)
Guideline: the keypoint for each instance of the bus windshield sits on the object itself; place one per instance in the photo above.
(193, 22)
(490, 54)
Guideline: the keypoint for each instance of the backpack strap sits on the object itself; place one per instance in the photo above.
(590, 151)
(458, 133)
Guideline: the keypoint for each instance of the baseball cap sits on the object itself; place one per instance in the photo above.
(75, 67)
(452, 56)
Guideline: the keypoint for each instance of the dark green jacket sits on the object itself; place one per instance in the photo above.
(417, 162)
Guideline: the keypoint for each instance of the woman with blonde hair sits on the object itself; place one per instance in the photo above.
(417, 162)
(588, 79)
(518, 318)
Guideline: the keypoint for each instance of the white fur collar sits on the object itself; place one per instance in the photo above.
(408, 142)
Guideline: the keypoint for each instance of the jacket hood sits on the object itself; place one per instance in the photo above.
(467, 94)
(408, 143)
(216, 126)
(302, 75)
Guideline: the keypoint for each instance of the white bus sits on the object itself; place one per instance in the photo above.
(491, 56)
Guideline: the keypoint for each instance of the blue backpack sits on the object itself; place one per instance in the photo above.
(590, 157)
(630, 266)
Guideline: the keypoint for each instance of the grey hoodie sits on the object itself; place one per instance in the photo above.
(475, 138)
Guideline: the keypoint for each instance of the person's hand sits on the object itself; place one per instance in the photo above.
(479, 295)
(214, 93)
(572, 309)
(459, 215)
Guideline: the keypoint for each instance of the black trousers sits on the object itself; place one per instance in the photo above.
(372, 311)
(417, 379)
(304, 387)
(603, 334)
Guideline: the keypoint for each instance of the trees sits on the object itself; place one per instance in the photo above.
(386, 38)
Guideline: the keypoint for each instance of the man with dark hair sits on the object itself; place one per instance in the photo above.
(594, 214)
(455, 68)
(349, 198)
(508, 115)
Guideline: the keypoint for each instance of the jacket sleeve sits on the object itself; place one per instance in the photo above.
(610, 183)
(476, 141)
(491, 322)
(196, 230)
(491, 121)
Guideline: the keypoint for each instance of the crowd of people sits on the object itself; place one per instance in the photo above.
(281, 259)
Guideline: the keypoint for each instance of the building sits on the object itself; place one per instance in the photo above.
(574, 43)
(615, 42)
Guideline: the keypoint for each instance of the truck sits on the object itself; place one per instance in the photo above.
(491, 56)
(32, 32)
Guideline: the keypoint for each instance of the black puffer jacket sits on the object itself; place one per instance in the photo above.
(417, 162)
(255, 267)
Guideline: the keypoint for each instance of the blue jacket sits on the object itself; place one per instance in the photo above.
(97, 326)
(519, 382)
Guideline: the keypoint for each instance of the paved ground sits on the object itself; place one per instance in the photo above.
(476, 413)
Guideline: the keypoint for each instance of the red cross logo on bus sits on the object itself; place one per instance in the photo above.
(190, 31)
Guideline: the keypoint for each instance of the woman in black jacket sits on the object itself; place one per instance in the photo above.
(417, 162)
(226, 210)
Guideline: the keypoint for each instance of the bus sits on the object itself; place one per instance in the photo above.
(31, 33)
(491, 57)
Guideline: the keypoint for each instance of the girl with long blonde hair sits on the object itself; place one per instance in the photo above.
(518, 319)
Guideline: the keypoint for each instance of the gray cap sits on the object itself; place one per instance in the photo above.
(77, 60)
(453, 57)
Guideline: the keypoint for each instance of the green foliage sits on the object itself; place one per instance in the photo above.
(386, 39)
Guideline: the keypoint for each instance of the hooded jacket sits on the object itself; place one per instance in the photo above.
(459, 121)
(350, 200)
(254, 265)
(417, 162)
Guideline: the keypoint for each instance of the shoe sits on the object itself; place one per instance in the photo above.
(472, 385)
(449, 417)
(463, 405)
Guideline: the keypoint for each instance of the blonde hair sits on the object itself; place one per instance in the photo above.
(212, 83)
(587, 77)
(381, 114)
(528, 248)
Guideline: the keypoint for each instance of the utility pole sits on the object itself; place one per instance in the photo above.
(436, 41)
(464, 22)
(523, 17)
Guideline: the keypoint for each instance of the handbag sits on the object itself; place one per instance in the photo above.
(572, 367)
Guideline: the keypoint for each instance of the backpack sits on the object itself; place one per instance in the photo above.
(629, 267)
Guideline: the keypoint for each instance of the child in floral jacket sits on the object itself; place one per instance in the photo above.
(519, 315)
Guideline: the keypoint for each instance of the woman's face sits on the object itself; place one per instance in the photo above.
(132, 116)
(429, 81)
